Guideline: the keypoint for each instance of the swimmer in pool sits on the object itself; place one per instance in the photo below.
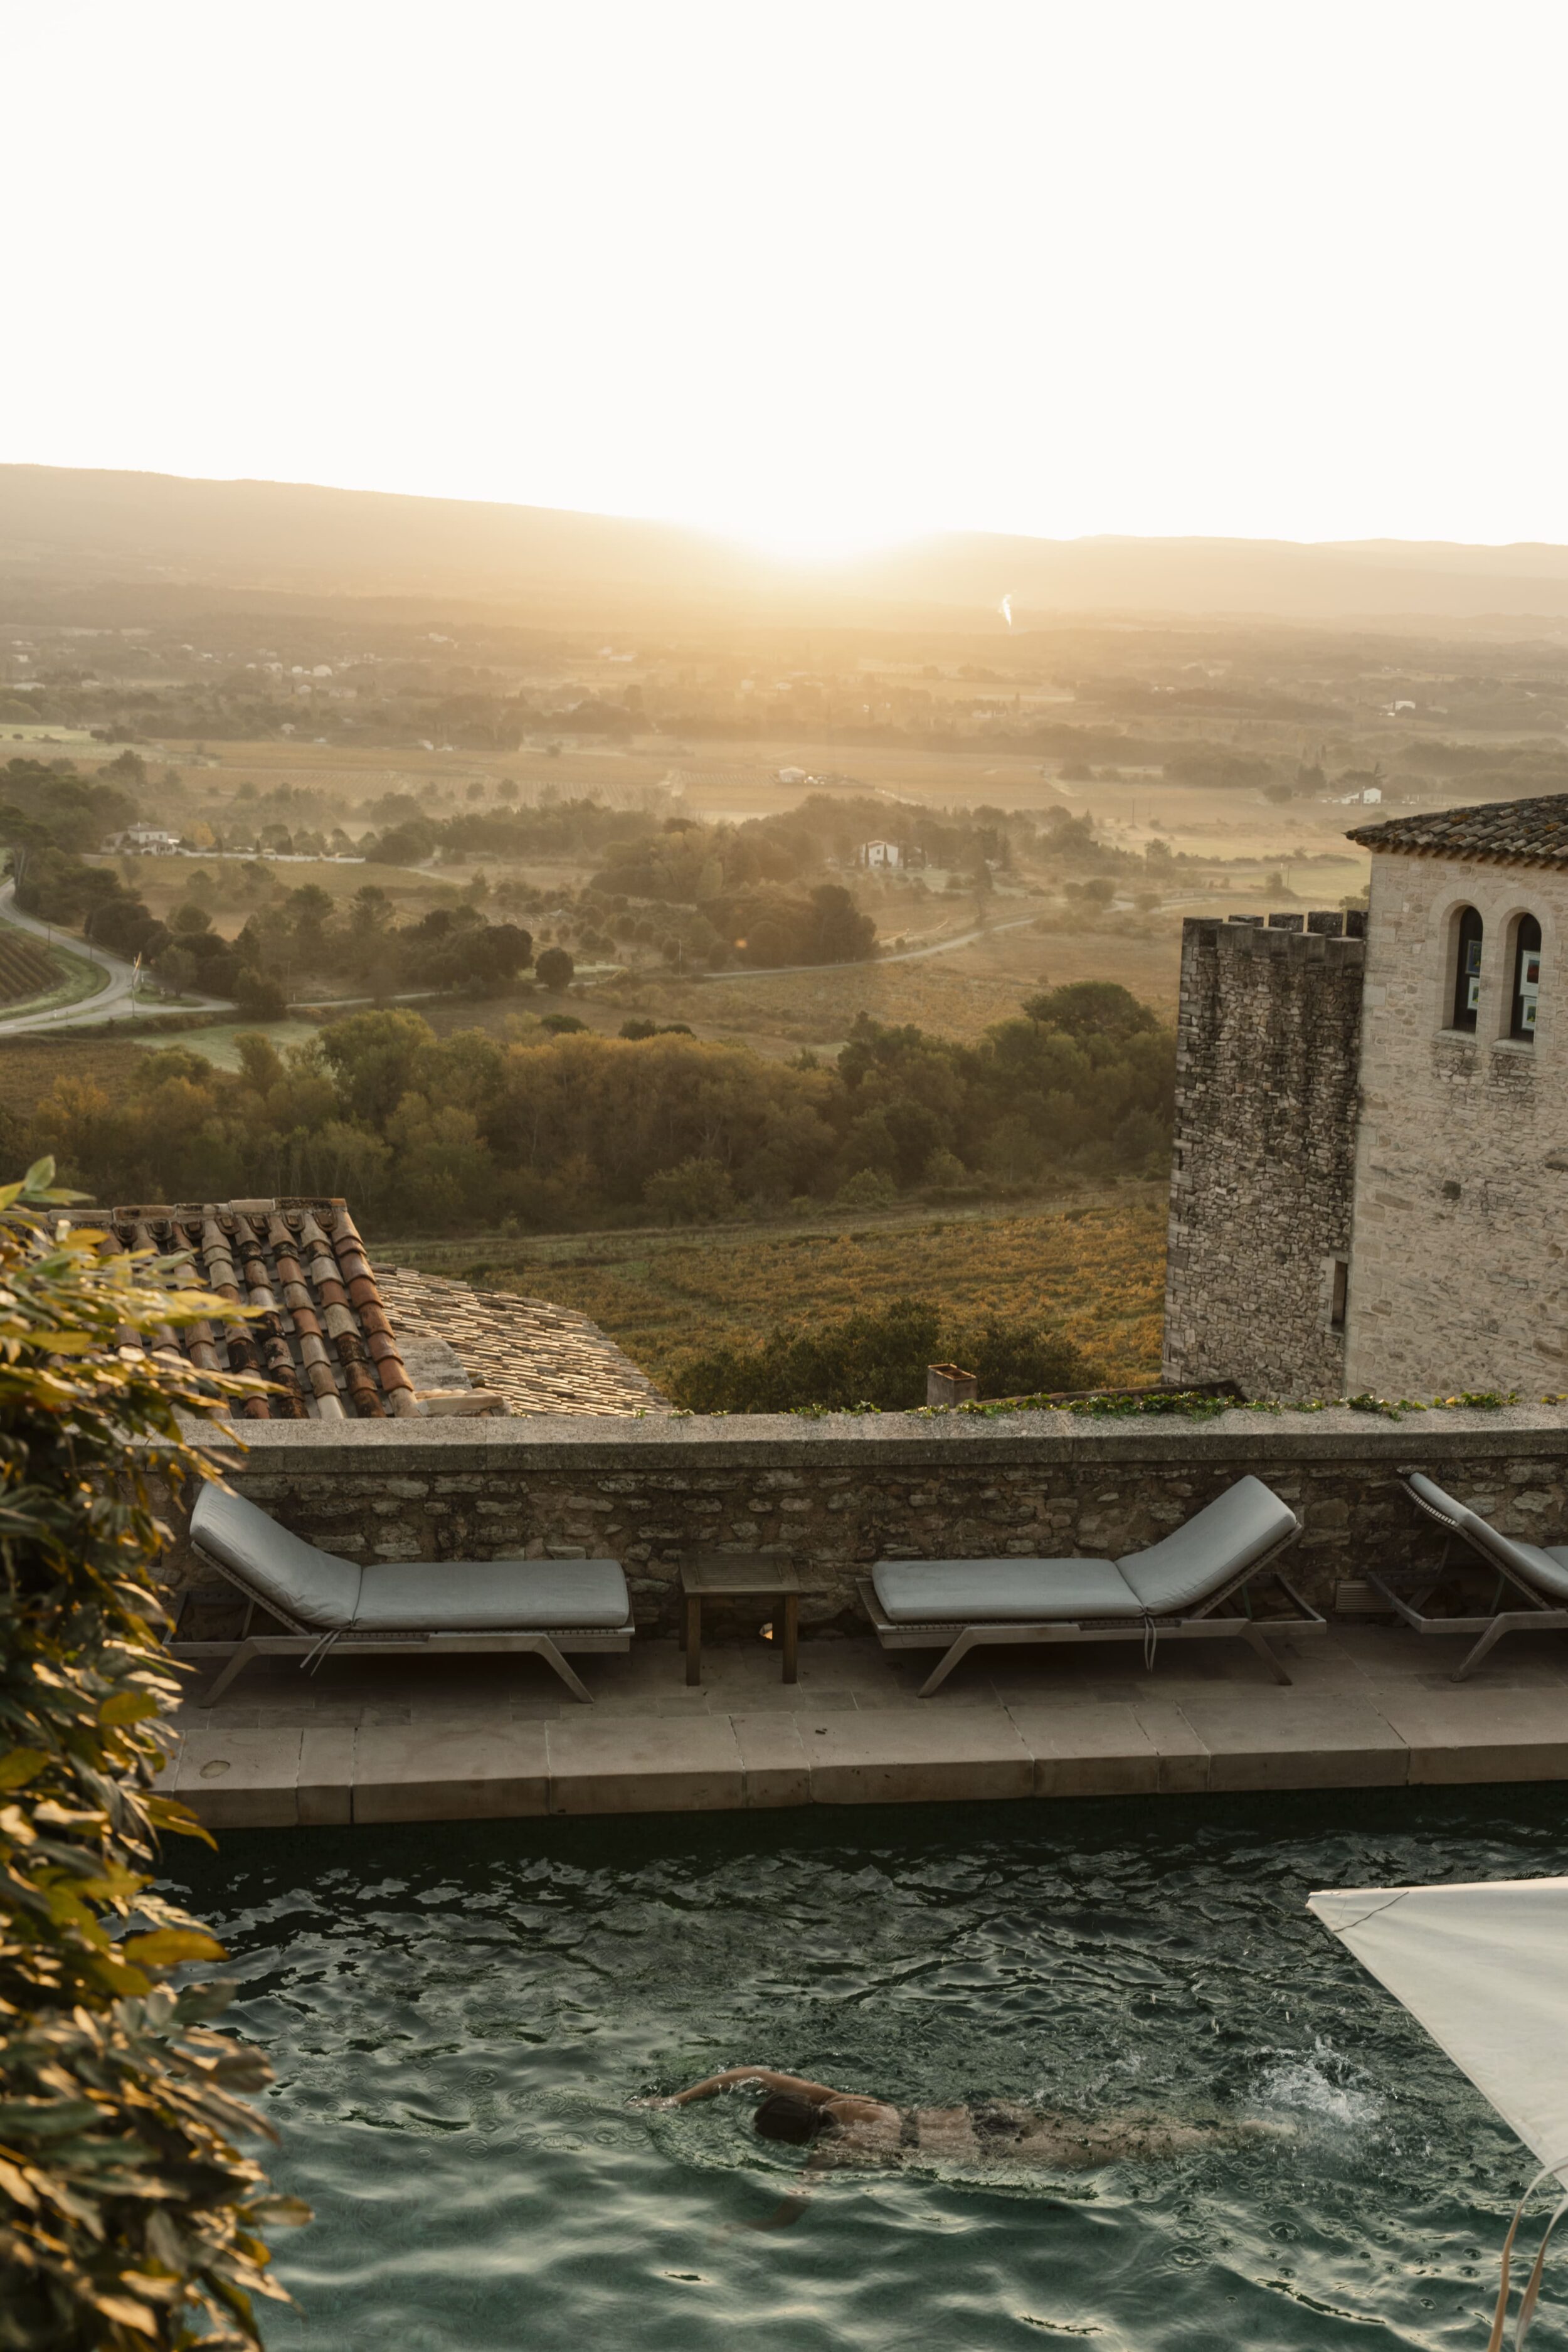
(843, 2127)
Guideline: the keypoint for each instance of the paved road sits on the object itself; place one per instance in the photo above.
(114, 997)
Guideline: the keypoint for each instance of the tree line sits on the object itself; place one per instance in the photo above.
(567, 1130)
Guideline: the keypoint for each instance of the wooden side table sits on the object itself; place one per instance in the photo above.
(722, 1576)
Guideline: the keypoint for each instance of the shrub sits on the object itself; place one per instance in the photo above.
(1017, 1358)
(694, 1193)
(869, 1189)
(945, 1169)
(128, 2217)
(875, 1359)
(258, 996)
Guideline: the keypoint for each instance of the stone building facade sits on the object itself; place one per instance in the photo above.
(1371, 1138)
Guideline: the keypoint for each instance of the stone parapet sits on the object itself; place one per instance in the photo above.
(845, 1491)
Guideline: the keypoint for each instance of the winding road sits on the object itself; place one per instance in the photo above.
(116, 995)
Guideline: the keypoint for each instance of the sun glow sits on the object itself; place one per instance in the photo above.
(872, 296)
(818, 541)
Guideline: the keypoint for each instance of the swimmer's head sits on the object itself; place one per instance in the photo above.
(784, 2115)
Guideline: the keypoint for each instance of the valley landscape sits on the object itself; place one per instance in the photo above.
(765, 815)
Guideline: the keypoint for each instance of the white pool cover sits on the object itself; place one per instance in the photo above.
(1485, 1970)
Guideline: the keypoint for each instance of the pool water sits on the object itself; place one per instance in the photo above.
(462, 2021)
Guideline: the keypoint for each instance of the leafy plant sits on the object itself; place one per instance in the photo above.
(127, 2216)
(875, 1360)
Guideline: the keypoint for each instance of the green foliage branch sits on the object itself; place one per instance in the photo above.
(129, 2217)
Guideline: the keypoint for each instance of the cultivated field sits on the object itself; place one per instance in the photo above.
(1092, 1268)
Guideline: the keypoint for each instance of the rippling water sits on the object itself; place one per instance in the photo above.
(461, 2019)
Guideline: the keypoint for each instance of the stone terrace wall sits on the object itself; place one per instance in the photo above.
(1262, 1172)
(847, 1491)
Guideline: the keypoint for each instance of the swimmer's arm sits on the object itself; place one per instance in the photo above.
(764, 2075)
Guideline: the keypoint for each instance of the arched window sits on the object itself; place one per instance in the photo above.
(1467, 970)
(1526, 978)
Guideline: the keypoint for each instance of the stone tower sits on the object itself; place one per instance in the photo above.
(1267, 1048)
(1372, 1138)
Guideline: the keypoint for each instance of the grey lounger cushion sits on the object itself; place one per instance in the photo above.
(1214, 1549)
(1244, 1523)
(312, 1587)
(1544, 1568)
(476, 1596)
(492, 1596)
(1006, 1592)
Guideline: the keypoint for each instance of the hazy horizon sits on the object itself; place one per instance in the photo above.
(84, 530)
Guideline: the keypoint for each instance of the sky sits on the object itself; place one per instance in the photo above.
(817, 276)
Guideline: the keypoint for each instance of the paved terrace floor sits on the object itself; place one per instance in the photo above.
(395, 1739)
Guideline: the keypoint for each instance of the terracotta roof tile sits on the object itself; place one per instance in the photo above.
(322, 1334)
(1505, 833)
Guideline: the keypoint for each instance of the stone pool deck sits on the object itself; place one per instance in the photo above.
(488, 1738)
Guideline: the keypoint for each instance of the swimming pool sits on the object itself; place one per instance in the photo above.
(461, 2019)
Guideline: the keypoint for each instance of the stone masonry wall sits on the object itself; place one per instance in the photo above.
(846, 1491)
(1266, 1075)
(1459, 1263)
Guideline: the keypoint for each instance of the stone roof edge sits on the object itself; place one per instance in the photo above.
(1366, 835)
(688, 1443)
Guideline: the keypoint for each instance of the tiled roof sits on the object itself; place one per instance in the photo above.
(323, 1335)
(542, 1359)
(1507, 833)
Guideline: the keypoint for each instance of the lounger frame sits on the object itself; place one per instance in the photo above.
(1149, 1628)
(1538, 1616)
(310, 1645)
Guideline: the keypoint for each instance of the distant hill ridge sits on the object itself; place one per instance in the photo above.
(61, 525)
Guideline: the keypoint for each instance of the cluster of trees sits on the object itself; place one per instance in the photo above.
(60, 887)
(562, 1130)
(304, 936)
(44, 806)
(48, 814)
(551, 829)
(878, 1358)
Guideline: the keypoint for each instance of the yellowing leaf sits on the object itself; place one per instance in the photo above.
(21, 1766)
(165, 1947)
(126, 2313)
(125, 1707)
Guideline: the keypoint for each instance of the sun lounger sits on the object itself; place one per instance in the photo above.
(433, 1607)
(1173, 1592)
(1539, 1575)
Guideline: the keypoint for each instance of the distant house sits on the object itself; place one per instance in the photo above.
(146, 840)
(889, 854)
(792, 776)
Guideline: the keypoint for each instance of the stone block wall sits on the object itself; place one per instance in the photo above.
(1459, 1269)
(846, 1491)
(1266, 1093)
